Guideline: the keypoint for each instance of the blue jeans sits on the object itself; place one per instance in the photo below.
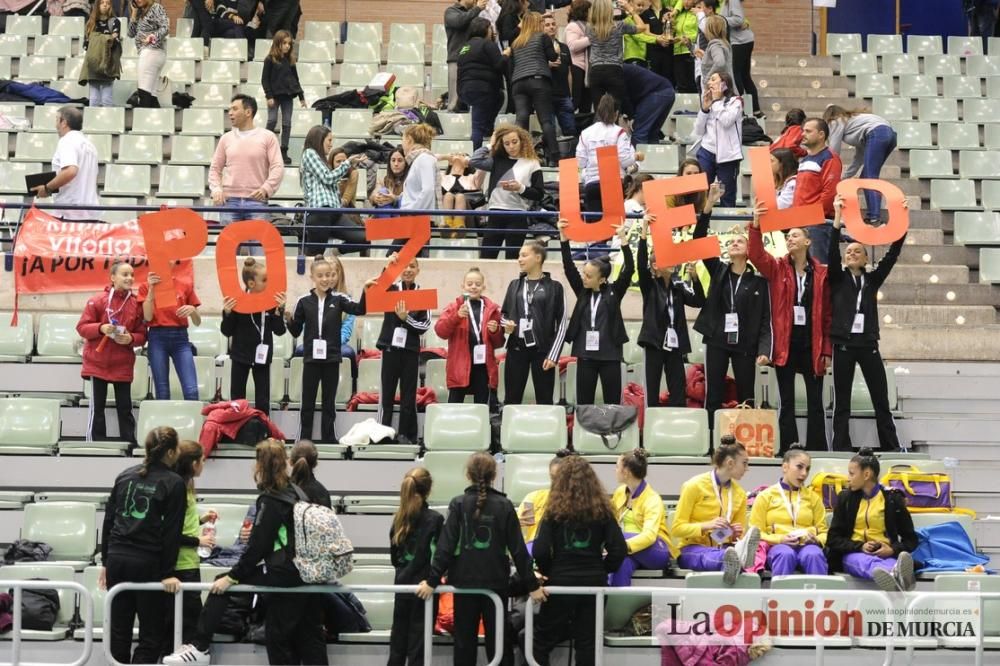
(166, 343)
(650, 113)
(879, 143)
(563, 113)
(819, 241)
(726, 172)
(484, 105)
(243, 203)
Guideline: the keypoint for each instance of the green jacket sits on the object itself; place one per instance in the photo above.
(635, 45)
(685, 25)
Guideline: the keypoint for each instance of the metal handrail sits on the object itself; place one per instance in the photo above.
(732, 595)
(86, 607)
(307, 589)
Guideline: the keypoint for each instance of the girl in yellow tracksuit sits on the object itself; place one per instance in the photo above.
(710, 523)
(792, 519)
(531, 510)
(641, 515)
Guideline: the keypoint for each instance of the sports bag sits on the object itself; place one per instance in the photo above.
(39, 608)
(828, 485)
(323, 553)
(606, 421)
(921, 490)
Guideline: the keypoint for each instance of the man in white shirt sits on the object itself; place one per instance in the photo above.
(75, 165)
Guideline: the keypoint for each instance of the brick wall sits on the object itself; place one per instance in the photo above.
(781, 26)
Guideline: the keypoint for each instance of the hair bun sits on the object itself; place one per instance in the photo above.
(866, 452)
(319, 257)
(640, 454)
(248, 262)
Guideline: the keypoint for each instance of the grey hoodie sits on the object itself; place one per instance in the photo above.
(732, 11)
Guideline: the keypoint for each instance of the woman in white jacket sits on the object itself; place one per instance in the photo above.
(719, 124)
(604, 132)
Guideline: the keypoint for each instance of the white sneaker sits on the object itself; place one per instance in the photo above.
(746, 548)
(903, 572)
(731, 566)
(885, 580)
(188, 654)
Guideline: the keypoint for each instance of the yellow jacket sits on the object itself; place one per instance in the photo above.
(770, 513)
(537, 499)
(699, 504)
(647, 511)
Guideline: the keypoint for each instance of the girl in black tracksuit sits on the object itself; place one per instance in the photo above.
(140, 539)
(318, 313)
(412, 540)
(854, 332)
(664, 332)
(596, 328)
(252, 348)
(534, 317)
(735, 321)
(399, 341)
(481, 529)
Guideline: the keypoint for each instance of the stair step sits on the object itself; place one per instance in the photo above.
(935, 342)
(765, 72)
(936, 386)
(972, 315)
(804, 90)
(948, 255)
(778, 60)
(934, 295)
(922, 273)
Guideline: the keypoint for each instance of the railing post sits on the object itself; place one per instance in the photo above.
(599, 628)
(178, 619)
(428, 629)
(16, 637)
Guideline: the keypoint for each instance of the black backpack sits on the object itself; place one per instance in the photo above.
(606, 420)
(753, 134)
(39, 608)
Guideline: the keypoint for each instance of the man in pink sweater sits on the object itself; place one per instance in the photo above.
(252, 161)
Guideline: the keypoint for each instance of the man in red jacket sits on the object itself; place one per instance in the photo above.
(800, 320)
(817, 179)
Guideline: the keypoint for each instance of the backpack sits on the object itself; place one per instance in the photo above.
(606, 420)
(323, 553)
(39, 608)
(828, 485)
(752, 133)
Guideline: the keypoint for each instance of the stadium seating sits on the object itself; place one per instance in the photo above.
(67, 599)
(69, 527)
(533, 429)
(29, 425)
(181, 415)
(457, 427)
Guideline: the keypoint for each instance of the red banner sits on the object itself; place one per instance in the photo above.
(52, 256)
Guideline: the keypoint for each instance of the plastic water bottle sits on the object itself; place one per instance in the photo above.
(208, 529)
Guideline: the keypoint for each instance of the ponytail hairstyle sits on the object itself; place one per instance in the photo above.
(794, 117)
(271, 471)
(304, 459)
(636, 462)
(481, 470)
(159, 443)
(728, 448)
(318, 260)
(413, 494)
(603, 265)
(794, 452)
(537, 248)
(188, 454)
(251, 269)
(865, 459)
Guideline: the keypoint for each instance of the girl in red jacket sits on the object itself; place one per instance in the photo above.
(471, 324)
(112, 326)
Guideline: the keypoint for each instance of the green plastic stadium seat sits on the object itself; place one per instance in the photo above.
(35, 147)
(38, 68)
(5, 68)
(412, 33)
(991, 201)
(401, 53)
(936, 110)
(181, 181)
(592, 445)
(931, 164)
(525, 473)
(364, 32)
(975, 110)
(228, 49)
(958, 136)
(439, 52)
(140, 383)
(370, 376)
(965, 46)
(12, 176)
(192, 149)
(446, 146)
(202, 122)
(153, 121)
(322, 31)
(852, 64)
(953, 195)
(357, 74)
(660, 158)
(304, 120)
(104, 120)
(896, 64)
(58, 341)
(989, 623)
(207, 337)
(317, 51)
(344, 383)
(24, 25)
(918, 86)
(978, 164)
(992, 136)
(128, 180)
(13, 45)
(56, 46)
(928, 519)
(71, 26)
(924, 44)
(913, 135)
(984, 66)
(69, 527)
(533, 429)
(90, 578)
(221, 71)
(675, 431)
(16, 342)
(185, 48)
(205, 368)
(439, 76)
(874, 85)
(408, 75)
(434, 378)
(67, 598)
(227, 527)
(291, 187)
(314, 74)
(378, 605)
(351, 122)
(973, 228)
(528, 397)
(840, 43)
(989, 265)
(29, 425)
(455, 125)
(181, 415)
(861, 400)
(447, 468)
(212, 95)
(180, 71)
(963, 86)
(942, 65)
(141, 149)
(461, 427)
(277, 382)
(885, 44)
(357, 53)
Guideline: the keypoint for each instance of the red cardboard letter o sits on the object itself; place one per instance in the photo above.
(225, 264)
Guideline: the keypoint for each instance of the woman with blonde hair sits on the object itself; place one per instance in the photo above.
(294, 629)
(718, 54)
(515, 184)
(605, 73)
(531, 78)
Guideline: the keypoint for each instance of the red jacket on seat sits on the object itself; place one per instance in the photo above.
(456, 330)
(224, 419)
